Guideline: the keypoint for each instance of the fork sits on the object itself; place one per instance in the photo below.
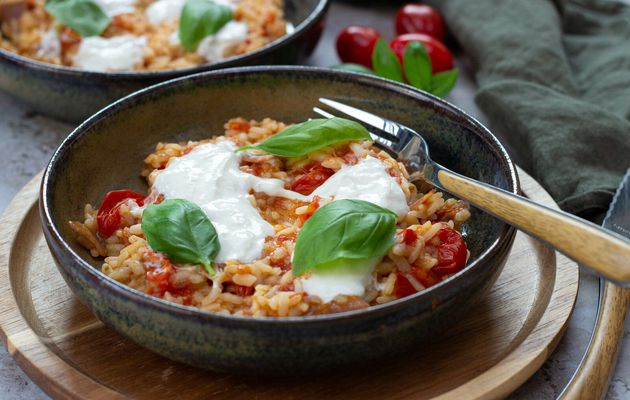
(590, 245)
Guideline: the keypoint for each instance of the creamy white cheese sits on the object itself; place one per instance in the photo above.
(116, 7)
(117, 53)
(368, 180)
(349, 280)
(49, 46)
(210, 177)
(213, 47)
(164, 10)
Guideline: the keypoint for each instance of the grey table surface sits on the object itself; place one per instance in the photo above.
(28, 140)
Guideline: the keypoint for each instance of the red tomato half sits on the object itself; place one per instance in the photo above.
(452, 252)
(356, 43)
(402, 287)
(312, 177)
(108, 216)
(441, 57)
(420, 18)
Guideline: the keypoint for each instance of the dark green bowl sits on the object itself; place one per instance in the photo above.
(106, 152)
(72, 94)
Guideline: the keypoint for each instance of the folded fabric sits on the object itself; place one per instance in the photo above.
(554, 79)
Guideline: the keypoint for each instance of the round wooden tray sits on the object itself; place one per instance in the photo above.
(72, 355)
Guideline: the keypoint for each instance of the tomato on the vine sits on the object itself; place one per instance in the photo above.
(356, 43)
(441, 57)
(420, 18)
(108, 217)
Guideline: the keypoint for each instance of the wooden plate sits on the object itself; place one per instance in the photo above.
(71, 355)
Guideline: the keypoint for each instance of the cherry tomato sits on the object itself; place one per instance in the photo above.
(420, 18)
(312, 176)
(451, 252)
(108, 216)
(158, 273)
(245, 291)
(356, 43)
(441, 57)
(402, 287)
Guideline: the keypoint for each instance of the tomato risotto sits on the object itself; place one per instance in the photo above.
(277, 220)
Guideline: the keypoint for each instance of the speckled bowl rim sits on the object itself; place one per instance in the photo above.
(30, 63)
(151, 302)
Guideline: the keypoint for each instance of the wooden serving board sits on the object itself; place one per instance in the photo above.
(71, 355)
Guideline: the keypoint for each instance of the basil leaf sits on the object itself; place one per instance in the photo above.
(385, 62)
(417, 65)
(182, 231)
(343, 230)
(443, 82)
(307, 137)
(354, 68)
(199, 19)
(83, 16)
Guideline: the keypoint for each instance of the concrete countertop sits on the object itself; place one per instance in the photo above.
(28, 140)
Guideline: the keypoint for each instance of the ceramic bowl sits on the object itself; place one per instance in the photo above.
(72, 94)
(107, 151)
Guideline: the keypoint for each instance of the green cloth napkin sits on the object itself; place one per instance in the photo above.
(554, 79)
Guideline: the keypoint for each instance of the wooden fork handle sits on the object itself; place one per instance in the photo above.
(588, 244)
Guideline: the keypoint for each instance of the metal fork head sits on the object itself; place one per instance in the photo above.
(407, 145)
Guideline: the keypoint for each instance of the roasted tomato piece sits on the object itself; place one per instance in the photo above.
(159, 271)
(426, 278)
(403, 287)
(108, 216)
(245, 290)
(409, 237)
(452, 252)
(312, 176)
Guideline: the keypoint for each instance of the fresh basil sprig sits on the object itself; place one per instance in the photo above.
(182, 231)
(385, 62)
(83, 16)
(344, 230)
(417, 65)
(307, 137)
(417, 68)
(443, 82)
(199, 19)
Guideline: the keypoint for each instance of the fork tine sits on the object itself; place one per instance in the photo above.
(389, 127)
(387, 144)
(323, 113)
